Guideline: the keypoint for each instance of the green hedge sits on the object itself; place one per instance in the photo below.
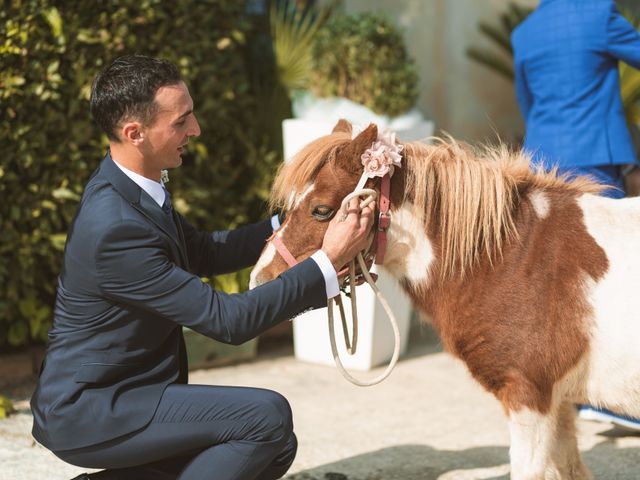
(49, 53)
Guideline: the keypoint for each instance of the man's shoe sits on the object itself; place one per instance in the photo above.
(588, 412)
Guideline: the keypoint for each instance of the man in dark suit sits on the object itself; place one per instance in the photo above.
(113, 390)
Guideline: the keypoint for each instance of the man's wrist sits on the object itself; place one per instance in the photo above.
(335, 261)
(329, 273)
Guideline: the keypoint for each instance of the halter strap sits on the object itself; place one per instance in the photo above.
(282, 249)
(384, 219)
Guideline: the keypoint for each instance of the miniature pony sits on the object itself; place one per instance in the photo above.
(530, 279)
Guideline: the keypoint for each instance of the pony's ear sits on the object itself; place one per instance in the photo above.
(348, 157)
(342, 126)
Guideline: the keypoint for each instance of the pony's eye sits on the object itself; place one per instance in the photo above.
(322, 212)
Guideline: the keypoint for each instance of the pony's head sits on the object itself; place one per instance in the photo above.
(310, 189)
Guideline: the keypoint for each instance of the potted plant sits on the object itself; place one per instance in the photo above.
(356, 68)
(359, 70)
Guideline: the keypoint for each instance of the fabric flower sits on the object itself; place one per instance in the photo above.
(383, 156)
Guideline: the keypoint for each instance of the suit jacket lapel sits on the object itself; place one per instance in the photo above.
(142, 201)
(150, 209)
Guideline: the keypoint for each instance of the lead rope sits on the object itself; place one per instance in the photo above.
(351, 346)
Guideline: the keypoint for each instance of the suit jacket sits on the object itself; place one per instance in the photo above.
(567, 83)
(130, 281)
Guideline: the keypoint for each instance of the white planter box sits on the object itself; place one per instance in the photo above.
(375, 335)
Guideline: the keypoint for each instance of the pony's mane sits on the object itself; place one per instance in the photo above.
(294, 176)
(470, 194)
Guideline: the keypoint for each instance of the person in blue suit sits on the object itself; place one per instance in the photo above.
(112, 392)
(566, 57)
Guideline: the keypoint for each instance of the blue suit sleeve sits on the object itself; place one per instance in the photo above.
(623, 40)
(133, 269)
(215, 253)
(523, 94)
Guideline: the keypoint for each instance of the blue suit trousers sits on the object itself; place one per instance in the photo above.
(201, 432)
(610, 175)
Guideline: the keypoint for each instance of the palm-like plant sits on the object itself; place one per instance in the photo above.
(500, 35)
(279, 61)
(292, 32)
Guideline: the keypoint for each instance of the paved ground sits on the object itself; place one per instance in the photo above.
(428, 421)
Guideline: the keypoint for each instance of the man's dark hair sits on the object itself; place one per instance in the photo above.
(126, 90)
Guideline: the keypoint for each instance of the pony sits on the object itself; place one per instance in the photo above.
(529, 278)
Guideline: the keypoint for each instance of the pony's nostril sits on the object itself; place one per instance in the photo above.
(257, 278)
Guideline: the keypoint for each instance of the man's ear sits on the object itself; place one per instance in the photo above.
(342, 126)
(348, 157)
(132, 132)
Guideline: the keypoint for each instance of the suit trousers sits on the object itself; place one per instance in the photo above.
(201, 432)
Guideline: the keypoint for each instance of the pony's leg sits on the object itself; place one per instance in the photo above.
(532, 440)
(544, 446)
(565, 453)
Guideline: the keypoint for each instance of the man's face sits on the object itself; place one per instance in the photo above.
(174, 123)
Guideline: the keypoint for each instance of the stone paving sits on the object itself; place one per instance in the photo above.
(428, 421)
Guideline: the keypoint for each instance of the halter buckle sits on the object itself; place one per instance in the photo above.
(384, 221)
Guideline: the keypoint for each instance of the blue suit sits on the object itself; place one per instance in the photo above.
(130, 281)
(567, 83)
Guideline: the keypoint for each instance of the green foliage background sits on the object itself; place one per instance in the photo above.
(50, 51)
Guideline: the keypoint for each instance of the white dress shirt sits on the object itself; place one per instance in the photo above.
(157, 192)
(153, 188)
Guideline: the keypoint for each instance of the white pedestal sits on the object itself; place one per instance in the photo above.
(375, 334)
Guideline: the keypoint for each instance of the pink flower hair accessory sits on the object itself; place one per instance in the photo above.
(383, 156)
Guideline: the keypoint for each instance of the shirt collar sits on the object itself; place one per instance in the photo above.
(153, 188)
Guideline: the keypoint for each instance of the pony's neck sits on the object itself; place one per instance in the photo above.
(451, 208)
(410, 251)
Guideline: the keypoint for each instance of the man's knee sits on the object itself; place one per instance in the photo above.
(288, 452)
(275, 417)
(282, 462)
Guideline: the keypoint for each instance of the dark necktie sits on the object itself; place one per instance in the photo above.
(167, 206)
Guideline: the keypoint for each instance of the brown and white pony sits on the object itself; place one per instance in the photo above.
(530, 279)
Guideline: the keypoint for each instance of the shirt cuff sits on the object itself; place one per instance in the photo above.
(328, 272)
(275, 223)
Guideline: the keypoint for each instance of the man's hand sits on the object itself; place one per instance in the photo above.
(345, 238)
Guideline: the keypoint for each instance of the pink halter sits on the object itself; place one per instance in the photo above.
(384, 222)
